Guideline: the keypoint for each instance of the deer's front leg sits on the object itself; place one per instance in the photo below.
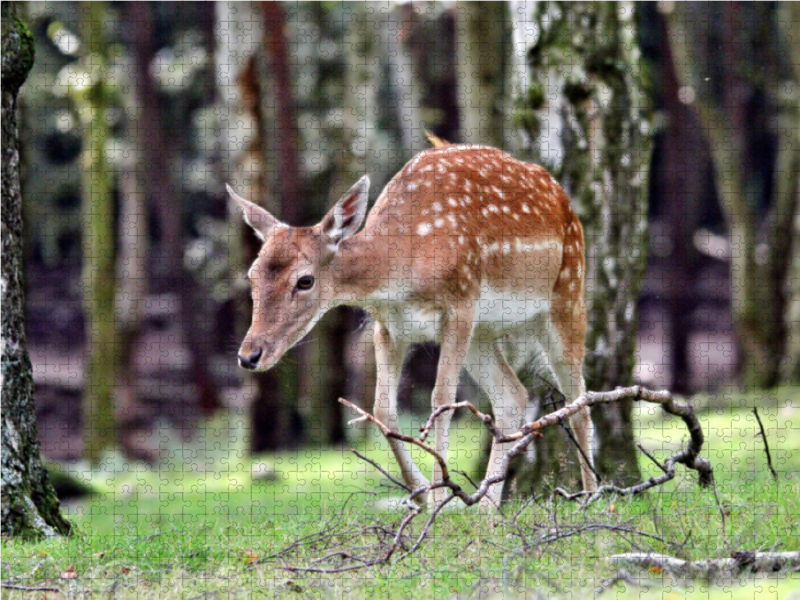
(456, 340)
(389, 357)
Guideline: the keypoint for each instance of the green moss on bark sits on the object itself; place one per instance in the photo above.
(30, 508)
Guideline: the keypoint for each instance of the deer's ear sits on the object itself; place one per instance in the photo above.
(259, 219)
(346, 216)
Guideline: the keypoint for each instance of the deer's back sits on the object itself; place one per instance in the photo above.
(472, 214)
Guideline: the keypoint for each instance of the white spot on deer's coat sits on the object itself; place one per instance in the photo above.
(437, 208)
(424, 229)
(493, 208)
(452, 202)
(525, 209)
(411, 187)
(438, 222)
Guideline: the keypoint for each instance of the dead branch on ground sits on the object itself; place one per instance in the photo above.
(335, 539)
(740, 562)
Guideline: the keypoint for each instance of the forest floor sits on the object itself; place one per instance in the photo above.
(201, 525)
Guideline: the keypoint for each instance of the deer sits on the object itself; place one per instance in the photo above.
(467, 247)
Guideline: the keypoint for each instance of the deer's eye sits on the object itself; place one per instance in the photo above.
(306, 282)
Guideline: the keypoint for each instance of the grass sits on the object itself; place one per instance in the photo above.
(197, 526)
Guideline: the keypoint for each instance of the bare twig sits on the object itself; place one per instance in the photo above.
(25, 588)
(395, 481)
(589, 463)
(622, 575)
(652, 458)
(722, 512)
(468, 478)
(766, 444)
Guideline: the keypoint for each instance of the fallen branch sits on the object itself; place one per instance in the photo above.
(740, 562)
(335, 541)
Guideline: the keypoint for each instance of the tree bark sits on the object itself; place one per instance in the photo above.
(681, 180)
(482, 32)
(158, 153)
(722, 103)
(30, 507)
(585, 112)
(789, 170)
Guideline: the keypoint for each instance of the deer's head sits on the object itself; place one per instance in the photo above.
(292, 280)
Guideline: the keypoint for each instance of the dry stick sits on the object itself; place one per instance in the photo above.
(766, 445)
(651, 457)
(622, 575)
(395, 481)
(587, 462)
(24, 588)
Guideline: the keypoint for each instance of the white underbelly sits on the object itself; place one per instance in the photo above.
(500, 312)
(497, 313)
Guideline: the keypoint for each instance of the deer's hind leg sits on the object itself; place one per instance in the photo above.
(488, 366)
(567, 341)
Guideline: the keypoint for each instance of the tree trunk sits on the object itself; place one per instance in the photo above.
(99, 248)
(681, 181)
(723, 105)
(482, 32)
(30, 507)
(158, 154)
(786, 207)
(585, 112)
(788, 171)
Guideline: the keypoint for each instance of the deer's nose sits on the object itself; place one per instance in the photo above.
(250, 362)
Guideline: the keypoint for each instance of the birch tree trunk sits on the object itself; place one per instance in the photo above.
(30, 507)
(585, 113)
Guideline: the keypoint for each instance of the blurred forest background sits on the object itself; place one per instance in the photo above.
(136, 115)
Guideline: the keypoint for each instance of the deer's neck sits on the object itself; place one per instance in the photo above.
(359, 269)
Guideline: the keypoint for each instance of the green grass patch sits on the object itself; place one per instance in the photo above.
(197, 526)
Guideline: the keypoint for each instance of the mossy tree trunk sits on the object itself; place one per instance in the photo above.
(585, 113)
(30, 507)
(99, 236)
(482, 41)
